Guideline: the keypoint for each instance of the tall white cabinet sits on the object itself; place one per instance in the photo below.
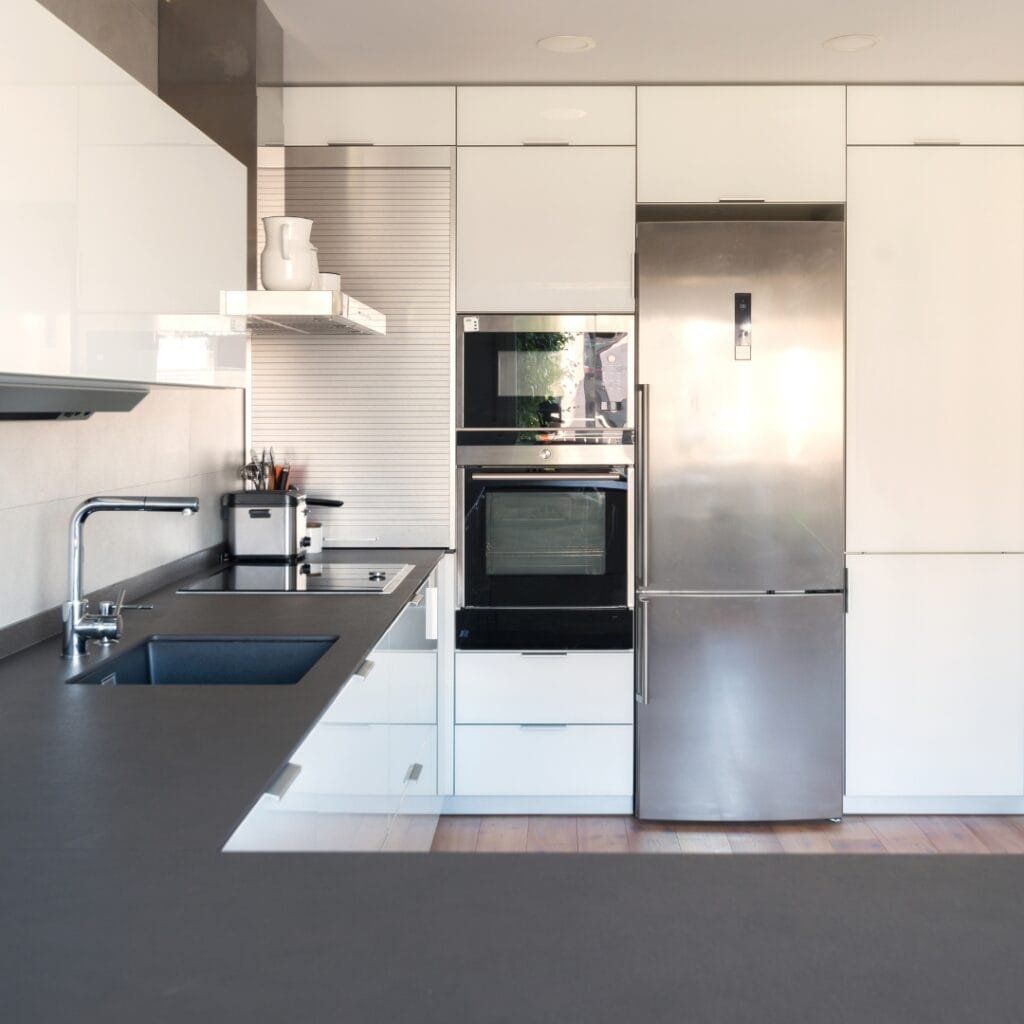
(935, 450)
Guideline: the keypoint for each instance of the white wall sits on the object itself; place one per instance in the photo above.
(180, 441)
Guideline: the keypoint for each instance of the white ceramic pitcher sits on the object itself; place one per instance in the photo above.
(288, 262)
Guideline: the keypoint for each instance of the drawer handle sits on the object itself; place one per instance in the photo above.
(283, 780)
(544, 654)
(413, 773)
(364, 670)
(937, 142)
(544, 726)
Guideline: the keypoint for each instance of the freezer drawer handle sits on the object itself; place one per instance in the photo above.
(283, 780)
(413, 774)
(743, 330)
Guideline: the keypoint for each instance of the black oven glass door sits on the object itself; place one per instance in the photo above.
(539, 380)
(545, 539)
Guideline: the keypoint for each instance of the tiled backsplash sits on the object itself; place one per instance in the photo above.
(181, 441)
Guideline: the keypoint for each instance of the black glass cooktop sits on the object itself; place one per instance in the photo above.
(301, 578)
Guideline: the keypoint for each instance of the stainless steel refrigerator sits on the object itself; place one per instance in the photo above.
(740, 573)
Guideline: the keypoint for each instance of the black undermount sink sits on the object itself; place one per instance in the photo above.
(211, 661)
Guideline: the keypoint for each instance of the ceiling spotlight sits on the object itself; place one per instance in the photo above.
(566, 44)
(850, 44)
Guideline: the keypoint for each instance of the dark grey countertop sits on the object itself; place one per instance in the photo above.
(117, 906)
(173, 767)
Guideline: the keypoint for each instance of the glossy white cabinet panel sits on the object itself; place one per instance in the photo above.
(545, 230)
(570, 760)
(935, 676)
(902, 115)
(402, 687)
(705, 143)
(590, 115)
(381, 115)
(118, 213)
(514, 688)
(935, 349)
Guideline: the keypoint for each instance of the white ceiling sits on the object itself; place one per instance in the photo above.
(650, 40)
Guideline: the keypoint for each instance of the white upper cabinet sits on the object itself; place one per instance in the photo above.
(935, 349)
(935, 676)
(122, 220)
(583, 115)
(378, 115)
(895, 115)
(706, 143)
(545, 230)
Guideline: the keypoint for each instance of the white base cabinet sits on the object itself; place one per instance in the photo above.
(537, 726)
(935, 678)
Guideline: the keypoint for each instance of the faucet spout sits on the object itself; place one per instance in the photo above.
(78, 626)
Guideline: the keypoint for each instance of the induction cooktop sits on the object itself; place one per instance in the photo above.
(301, 578)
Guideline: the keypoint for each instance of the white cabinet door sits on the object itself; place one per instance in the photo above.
(935, 676)
(545, 230)
(896, 115)
(381, 115)
(935, 349)
(582, 115)
(706, 143)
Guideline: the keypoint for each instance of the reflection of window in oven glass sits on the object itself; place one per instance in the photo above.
(545, 534)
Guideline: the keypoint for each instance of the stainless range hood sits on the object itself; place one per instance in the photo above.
(29, 397)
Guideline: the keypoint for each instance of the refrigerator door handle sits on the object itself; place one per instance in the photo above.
(641, 484)
(640, 653)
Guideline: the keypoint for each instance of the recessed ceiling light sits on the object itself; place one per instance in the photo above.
(566, 44)
(850, 44)
(563, 114)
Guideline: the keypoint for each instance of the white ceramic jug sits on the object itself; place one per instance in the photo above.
(288, 262)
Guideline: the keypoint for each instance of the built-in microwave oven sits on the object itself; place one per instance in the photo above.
(544, 379)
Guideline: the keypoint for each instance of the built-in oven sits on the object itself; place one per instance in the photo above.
(546, 557)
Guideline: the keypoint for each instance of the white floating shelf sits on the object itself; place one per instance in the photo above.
(266, 312)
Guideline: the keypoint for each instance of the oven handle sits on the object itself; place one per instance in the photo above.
(544, 478)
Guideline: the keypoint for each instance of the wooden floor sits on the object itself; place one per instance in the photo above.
(551, 834)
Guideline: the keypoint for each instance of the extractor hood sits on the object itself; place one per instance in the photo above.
(29, 397)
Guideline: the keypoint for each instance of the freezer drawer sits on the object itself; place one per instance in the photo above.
(744, 720)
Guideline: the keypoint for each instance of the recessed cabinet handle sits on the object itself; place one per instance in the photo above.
(544, 726)
(937, 142)
(544, 654)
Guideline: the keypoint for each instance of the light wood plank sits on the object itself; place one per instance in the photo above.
(598, 834)
(998, 834)
(411, 833)
(651, 837)
(753, 839)
(900, 834)
(872, 845)
(702, 839)
(503, 834)
(456, 834)
(551, 834)
(803, 837)
(948, 834)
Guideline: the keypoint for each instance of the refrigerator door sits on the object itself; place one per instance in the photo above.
(744, 720)
(740, 346)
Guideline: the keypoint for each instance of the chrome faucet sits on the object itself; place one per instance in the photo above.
(79, 626)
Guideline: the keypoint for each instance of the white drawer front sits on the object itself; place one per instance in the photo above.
(571, 760)
(578, 687)
(586, 115)
(908, 114)
(402, 688)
